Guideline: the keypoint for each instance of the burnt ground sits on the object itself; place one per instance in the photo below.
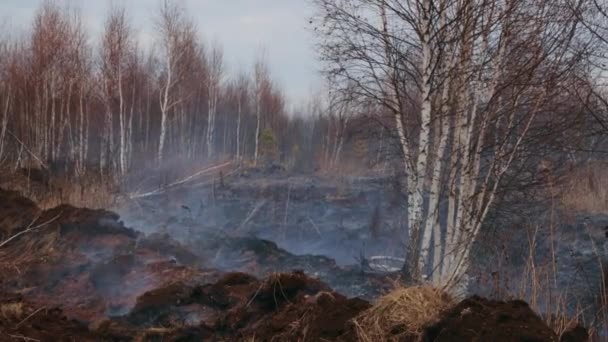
(72, 274)
(479, 319)
(307, 222)
(85, 276)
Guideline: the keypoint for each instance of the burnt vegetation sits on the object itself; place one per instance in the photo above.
(447, 183)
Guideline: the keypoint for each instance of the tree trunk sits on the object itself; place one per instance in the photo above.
(4, 123)
(238, 127)
(164, 108)
(257, 132)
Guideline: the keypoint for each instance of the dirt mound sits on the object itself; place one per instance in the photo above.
(282, 307)
(85, 261)
(576, 333)
(294, 307)
(17, 213)
(479, 319)
(129, 286)
(20, 320)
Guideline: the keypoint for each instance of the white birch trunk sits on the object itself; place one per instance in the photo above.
(164, 108)
(425, 130)
(258, 117)
(81, 143)
(122, 122)
(212, 101)
(4, 123)
(432, 221)
(238, 127)
(340, 141)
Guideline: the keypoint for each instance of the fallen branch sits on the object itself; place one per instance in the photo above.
(200, 173)
(209, 182)
(180, 181)
(314, 225)
(43, 164)
(255, 295)
(29, 229)
(252, 213)
(25, 338)
(28, 317)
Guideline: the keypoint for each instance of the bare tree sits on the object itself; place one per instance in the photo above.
(241, 88)
(48, 42)
(466, 82)
(260, 84)
(117, 46)
(65, 103)
(214, 83)
(5, 95)
(178, 44)
(341, 107)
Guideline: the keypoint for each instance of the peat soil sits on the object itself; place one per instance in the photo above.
(206, 272)
(80, 274)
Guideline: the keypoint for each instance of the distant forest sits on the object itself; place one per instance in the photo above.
(116, 106)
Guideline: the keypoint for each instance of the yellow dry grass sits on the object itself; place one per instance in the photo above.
(585, 189)
(11, 310)
(88, 191)
(403, 313)
(94, 195)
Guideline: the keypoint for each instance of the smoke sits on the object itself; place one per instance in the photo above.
(341, 220)
(305, 215)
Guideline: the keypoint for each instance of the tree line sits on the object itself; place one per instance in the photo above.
(115, 105)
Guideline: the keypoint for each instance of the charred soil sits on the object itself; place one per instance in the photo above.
(73, 274)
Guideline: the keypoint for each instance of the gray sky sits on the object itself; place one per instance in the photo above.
(243, 27)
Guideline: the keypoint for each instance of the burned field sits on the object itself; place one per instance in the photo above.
(79, 274)
(224, 262)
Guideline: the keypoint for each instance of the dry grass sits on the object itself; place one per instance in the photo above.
(11, 310)
(403, 313)
(539, 287)
(85, 194)
(88, 191)
(585, 189)
(551, 304)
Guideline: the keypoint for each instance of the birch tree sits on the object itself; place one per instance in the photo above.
(117, 46)
(5, 96)
(177, 43)
(65, 102)
(241, 93)
(466, 82)
(47, 43)
(260, 85)
(214, 83)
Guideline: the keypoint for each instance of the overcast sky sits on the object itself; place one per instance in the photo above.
(244, 28)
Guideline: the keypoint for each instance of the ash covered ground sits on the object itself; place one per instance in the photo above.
(305, 222)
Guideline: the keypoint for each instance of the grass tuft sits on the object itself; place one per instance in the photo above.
(403, 314)
(11, 310)
(585, 189)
